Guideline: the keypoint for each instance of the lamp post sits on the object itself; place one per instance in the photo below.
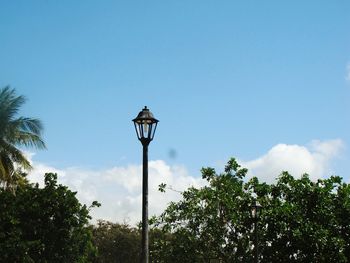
(255, 209)
(145, 126)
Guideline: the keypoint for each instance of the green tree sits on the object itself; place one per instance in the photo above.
(116, 243)
(44, 225)
(119, 243)
(305, 221)
(14, 132)
(301, 220)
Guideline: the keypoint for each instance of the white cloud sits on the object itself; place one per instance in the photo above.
(118, 189)
(313, 159)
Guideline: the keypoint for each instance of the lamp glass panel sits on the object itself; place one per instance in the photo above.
(137, 129)
(254, 211)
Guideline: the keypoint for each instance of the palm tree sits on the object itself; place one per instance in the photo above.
(15, 132)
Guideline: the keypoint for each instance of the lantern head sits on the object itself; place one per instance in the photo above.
(256, 206)
(145, 126)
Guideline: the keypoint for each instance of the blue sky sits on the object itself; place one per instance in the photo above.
(248, 79)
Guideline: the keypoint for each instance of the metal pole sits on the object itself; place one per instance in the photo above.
(256, 241)
(144, 249)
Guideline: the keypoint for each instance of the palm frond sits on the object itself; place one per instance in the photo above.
(15, 155)
(15, 131)
(9, 107)
(28, 124)
(6, 167)
(10, 103)
(29, 140)
(25, 131)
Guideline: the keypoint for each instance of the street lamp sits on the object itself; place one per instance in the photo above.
(145, 126)
(255, 209)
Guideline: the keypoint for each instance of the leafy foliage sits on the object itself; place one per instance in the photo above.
(116, 243)
(307, 221)
(301, 220)
(119, 243)
(44, 225)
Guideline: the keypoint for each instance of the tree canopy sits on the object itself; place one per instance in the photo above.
(44, 225)
(301, 220)
(14, 132)
(116, 243)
